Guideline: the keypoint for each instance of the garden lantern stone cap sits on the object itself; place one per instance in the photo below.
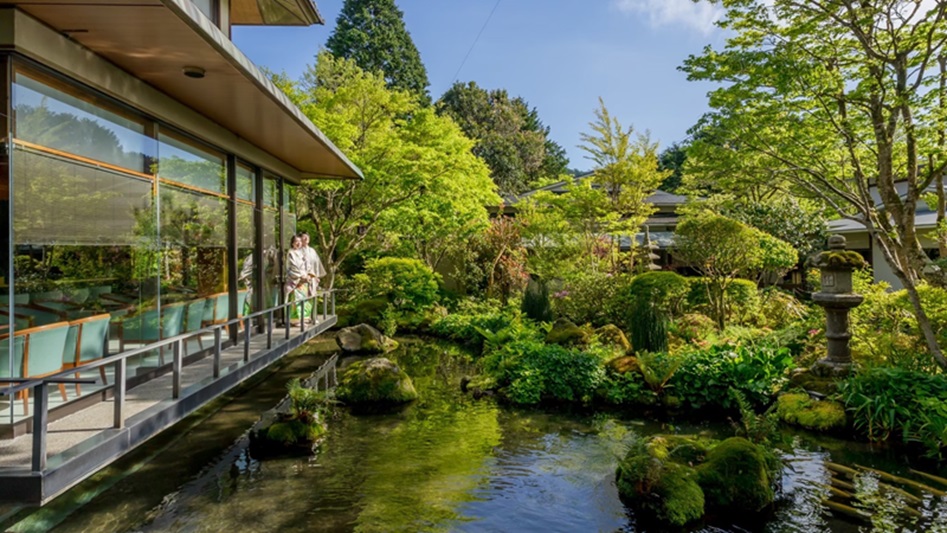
(837, 257)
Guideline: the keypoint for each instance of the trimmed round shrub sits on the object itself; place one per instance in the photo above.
(666, 290)
(743, 300)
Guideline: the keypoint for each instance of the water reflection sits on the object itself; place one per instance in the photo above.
(449, 463)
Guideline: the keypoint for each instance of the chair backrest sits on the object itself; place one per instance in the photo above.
(87, 339)
(143, 326)
(78, 295)
(99, 290)
(48, 296)
(222, 308)
(172, 320)
(21, 299)
(18, 349)
(194, 314)
(44, 348)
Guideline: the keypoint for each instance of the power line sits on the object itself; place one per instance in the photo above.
(462, 63)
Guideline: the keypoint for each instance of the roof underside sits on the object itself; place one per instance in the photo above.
(154, 40)
(274, 13)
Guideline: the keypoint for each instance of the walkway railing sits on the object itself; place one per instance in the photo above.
(38, 387)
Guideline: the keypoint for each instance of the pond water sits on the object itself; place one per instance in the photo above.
(451, 463)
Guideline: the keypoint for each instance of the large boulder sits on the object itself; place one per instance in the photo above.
(613, 337)
(375, 381)
(654, 478)
(565, 333)
(673, 478)
(736, 476)
(364, 339)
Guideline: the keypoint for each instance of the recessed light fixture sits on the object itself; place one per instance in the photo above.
(193, 72)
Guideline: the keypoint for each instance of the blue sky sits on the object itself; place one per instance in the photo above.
(559, 55)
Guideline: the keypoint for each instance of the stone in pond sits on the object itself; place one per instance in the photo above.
(375, 381)
(364, 339)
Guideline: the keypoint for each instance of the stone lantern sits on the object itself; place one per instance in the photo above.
(837, 298)
(649, 249)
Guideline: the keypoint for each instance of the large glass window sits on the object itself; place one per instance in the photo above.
(49, 117)
(193, 232)
(273, 254)
(246, 238)
(84, 225)
(188, 163)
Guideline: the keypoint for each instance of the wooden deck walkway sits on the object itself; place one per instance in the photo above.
(81, 443)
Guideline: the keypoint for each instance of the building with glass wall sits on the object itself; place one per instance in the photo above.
(146, 173)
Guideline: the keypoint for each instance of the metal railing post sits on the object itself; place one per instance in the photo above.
(332, 293)
(302, 314)
(287, 319)
(216, 353)
(325, 306)
(176, 377)
(40, 421)
(246, 340)
(118, 395)
(269, 330)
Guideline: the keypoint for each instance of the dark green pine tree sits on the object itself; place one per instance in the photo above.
(372, 33)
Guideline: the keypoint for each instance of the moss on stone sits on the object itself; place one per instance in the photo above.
(801, 410)
(376, 380)
(623, 365)
(839, 259)
(610, 335)
(736, 476)
(810, 381)
(566, 333)
(654, 477)
(290, 432)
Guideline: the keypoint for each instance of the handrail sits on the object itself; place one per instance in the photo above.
(111, 360)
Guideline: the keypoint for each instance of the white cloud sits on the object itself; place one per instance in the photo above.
(698, 16)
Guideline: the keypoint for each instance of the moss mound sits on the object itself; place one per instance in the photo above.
(651, 478)
(810, 381)
(624, 364)
(801, 410)
(377, 381)
(736, 476)
(565, 333)
(839, 259)
(611, 336)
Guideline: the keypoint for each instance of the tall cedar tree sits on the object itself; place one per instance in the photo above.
(372, 33)
(509, 135)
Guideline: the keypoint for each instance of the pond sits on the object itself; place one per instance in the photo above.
(449, 462)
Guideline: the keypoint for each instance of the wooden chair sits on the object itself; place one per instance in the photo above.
(193, 316)
(37, 352)
(87, 341)
(217, 310)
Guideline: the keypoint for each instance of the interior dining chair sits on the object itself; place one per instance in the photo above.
(87, 341)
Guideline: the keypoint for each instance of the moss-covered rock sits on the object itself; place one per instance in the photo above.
(623, 365)
(564, 332)
(364, 339)
(808, 380)
(654, 478)
(610, 335)
(736, 476)
(801, 410)
(375, 381)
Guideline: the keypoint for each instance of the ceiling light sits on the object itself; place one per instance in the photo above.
(193, 72)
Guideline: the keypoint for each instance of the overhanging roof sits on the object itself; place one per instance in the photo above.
(154, 40)
(274, 12)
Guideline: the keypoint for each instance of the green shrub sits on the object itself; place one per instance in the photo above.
(626, 388)
(693, 327)
(743, 301)
(893, 403)
(780, 309)
(528, 371)
(648, 326)
(666, 290)
(407, 286)
(536, 304)
(466, 324)
(657, 368)
(595, 298)
(706, 376)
